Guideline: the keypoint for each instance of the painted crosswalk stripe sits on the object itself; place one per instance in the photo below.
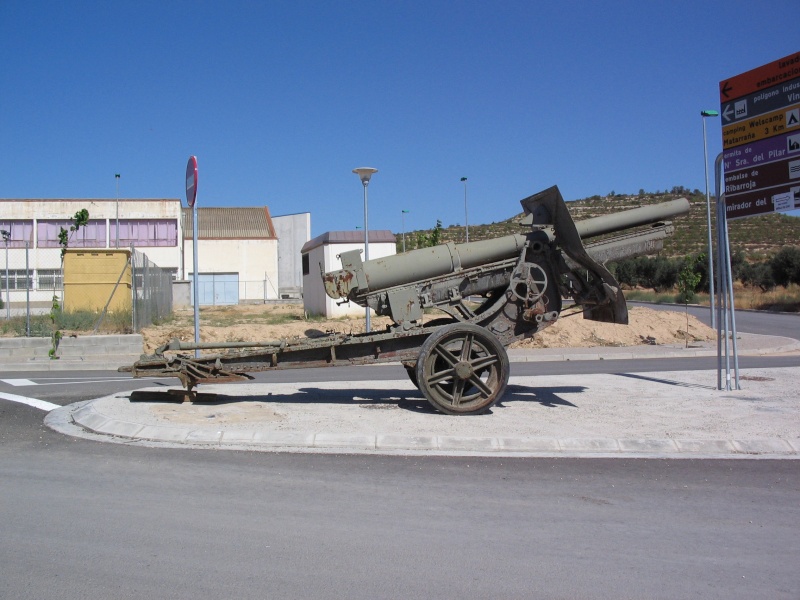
(34, 402)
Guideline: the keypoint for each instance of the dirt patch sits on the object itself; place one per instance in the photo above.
(286, 321)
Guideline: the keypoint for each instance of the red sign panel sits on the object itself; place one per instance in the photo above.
(191, 180)
(766, 76)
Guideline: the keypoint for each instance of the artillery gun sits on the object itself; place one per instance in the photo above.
(490, 293)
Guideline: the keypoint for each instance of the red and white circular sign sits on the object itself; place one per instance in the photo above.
(191, 180)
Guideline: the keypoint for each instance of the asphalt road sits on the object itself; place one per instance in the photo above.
(97, 521)
(88, 520)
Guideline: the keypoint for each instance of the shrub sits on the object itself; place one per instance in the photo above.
(785, 266)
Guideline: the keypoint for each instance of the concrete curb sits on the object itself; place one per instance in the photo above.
(84, 420)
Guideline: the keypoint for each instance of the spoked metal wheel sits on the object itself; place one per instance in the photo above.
(462, 369)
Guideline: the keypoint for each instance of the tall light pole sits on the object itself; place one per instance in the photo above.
(466, 215)
(403, 218)
(364, 173)
(704, 114)
(116, 176)
(7, 236)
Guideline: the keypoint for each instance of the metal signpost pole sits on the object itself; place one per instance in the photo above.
(727, 330)
(704, 114)
(191, 198)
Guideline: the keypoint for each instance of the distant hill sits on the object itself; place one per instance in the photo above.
(757, 237)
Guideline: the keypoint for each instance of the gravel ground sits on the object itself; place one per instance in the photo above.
(672, 405)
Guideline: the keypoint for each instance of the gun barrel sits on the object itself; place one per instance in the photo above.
(627, 219)
(420, 264)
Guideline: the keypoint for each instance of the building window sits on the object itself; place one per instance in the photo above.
(91, 235)
(306, 267)
(17, 280)
(21, 232)
(50, 279)
(145, 232)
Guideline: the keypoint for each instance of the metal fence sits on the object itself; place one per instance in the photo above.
(93, 290)
(151, 290)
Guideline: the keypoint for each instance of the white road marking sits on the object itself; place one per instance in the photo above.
(70, 380)
(17, 382)
(35, 403)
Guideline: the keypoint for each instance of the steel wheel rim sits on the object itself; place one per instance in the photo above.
(462, 370)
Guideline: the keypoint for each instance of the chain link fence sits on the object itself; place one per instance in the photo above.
(90, 290)
(151, 291)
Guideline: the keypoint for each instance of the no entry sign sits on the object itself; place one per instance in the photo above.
(191, 180)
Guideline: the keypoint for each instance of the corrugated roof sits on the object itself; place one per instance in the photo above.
(229, 223)
(376, 236)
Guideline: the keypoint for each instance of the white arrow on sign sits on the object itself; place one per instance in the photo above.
(727, 112)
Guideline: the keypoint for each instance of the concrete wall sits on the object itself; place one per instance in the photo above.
(293, 232)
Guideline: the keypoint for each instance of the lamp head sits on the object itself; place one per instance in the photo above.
(709, 113)
(463, 179)
(364, 173)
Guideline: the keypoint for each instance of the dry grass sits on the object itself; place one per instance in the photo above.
(744, 298)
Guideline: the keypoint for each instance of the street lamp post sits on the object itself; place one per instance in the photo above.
(364, 173)
(466, 215)
(116, 176)
(704, 114)
(7, 236)
(403, 218)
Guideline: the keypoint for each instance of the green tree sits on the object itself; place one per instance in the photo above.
(434, 238)
(758, 275)
(688, 279)
(625, 272)
(785, 266)
(80, 219)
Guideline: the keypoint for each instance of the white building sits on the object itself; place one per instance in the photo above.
(32, 252)
(238, 256)
(322, 255)
(237, 252)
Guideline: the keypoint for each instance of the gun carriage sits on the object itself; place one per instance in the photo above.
(458, 360)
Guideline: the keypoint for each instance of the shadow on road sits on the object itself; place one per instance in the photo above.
(364, 397)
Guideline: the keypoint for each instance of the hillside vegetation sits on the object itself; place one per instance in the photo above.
(757, 238)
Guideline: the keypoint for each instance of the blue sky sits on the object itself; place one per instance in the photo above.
(279, 101)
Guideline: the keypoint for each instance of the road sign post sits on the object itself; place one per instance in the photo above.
(758, 171)
(191, 198)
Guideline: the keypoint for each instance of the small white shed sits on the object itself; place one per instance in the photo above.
(322, 255)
